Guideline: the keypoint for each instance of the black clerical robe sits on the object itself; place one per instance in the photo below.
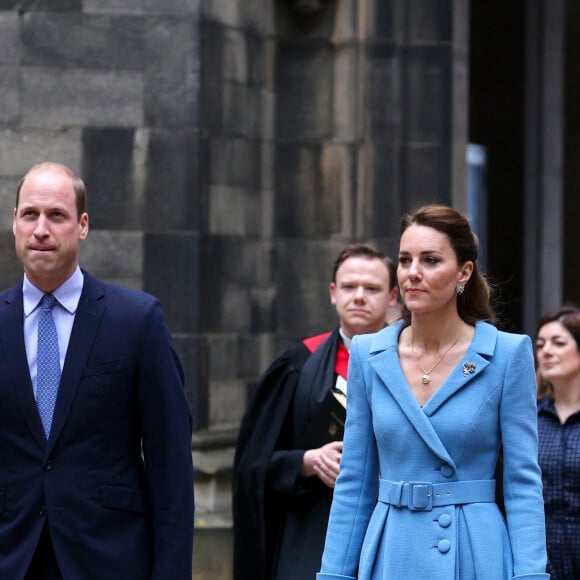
(280, 518)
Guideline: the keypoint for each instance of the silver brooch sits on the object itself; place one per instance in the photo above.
(468, 368)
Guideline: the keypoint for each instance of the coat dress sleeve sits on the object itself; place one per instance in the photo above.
(522, 482)
(357, 484)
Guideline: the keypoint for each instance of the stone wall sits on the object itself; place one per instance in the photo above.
(230, 150)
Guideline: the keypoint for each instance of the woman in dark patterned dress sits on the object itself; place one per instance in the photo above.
(558, 361)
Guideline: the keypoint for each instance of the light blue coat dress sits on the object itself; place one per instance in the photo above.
(436, 528)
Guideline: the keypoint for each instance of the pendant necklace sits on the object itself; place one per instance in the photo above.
(426, 378)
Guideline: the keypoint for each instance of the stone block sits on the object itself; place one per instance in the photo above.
(224, 12)
(427, 78)
(213, 554)
(381, 166)
(223, 356)
(108, 170)
(19, 150)
(335, 200)
(192, 351)
(227, 212)
(172, 77)
(10, 268)
(211, 77)
(63, 98)
(227, 403)
(113, 6)
(115, 256)
(266, 115)
(234, 162)
(257, 16)
(430, 20)
(9, 95)
(384, 19)
(234, 309)
(173, 7)
(82, 41)
(303, 208)
(304, 87)
(42, 5)
(10, 45)
(241, 111)
(427, 175)
(172, 186)
(303, 271)
(171, 272)
(235, 56)
(345, 22)
(383, 107)
(7, 202)
(345, 93)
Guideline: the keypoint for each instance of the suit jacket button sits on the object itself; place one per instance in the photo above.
(444, 520)
(42, 511)
(444, 546)
(47, 466)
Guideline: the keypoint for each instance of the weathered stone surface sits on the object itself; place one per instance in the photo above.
(431, 21)
(227, 403)
(181, 8)
(42, 5)
(171, 77)
(172, 182)
(115, 256)
(233, 161)
(9, 95)
(171, 272)
(10, 46)
(304, 90)
(427, 77)
(114, 200)
(57, 98)
(10, 268)
(113, 6)
(75, 40)
(20, 149)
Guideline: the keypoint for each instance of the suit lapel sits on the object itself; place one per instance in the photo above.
(88, 317)
(14, 354)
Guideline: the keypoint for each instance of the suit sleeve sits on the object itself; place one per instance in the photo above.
(522, 483)
(356, 487)
(166, 431)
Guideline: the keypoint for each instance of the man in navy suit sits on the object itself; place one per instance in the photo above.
(103, 488)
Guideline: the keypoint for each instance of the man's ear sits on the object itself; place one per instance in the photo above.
(332, 292)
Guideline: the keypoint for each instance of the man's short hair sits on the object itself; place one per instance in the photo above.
(366, 251)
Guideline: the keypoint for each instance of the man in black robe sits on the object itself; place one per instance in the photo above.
(290, 440)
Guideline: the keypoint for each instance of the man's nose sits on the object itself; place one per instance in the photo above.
(41, 229)
(359, 293)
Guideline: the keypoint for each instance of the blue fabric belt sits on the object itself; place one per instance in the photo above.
(424, 496)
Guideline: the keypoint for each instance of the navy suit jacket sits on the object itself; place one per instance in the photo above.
(114, 481)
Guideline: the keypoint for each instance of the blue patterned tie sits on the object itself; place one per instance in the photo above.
(48, 363)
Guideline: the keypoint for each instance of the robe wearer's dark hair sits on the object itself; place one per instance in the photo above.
(366, 251)
(569, 318)
(474, 304)
(77, 183)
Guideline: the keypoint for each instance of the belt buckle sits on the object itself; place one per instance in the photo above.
(420, 496)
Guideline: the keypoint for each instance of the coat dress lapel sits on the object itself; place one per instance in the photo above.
(384, 359)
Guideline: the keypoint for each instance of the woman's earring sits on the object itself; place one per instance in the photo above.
(460, 288)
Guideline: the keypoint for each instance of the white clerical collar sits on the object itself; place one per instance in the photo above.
(346, 341)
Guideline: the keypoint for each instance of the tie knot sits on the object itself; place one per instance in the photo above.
(48, 301)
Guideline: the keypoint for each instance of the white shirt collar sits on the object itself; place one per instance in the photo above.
(68, 294)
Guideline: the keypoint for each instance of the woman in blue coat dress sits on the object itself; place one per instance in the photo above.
(431, 401)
